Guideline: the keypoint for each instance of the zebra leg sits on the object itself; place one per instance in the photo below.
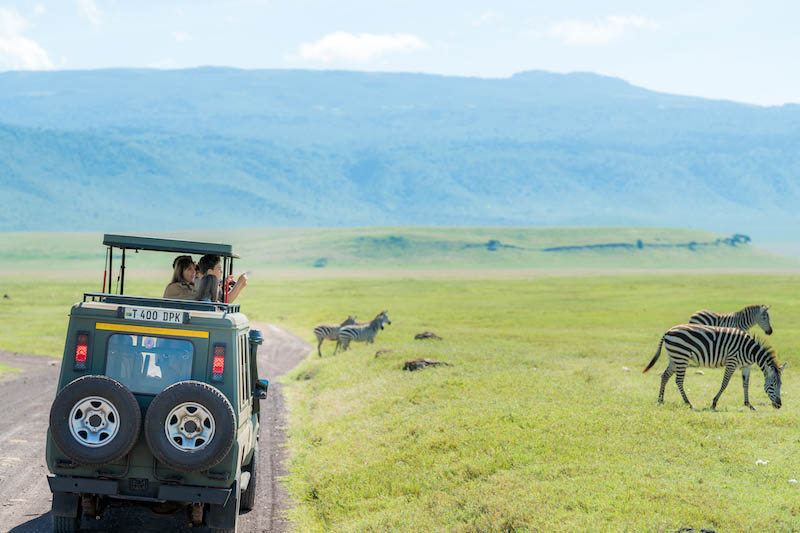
(318, 347)
(680, 373)
(746, 385)
(729, 370)
(665, 375)
(338, 343)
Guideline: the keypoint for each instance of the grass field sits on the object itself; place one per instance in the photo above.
(544, 423)
(410, 248)
(538, 425)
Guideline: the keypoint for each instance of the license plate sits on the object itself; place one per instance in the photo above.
(148, 314)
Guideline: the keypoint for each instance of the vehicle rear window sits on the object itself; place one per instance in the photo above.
(148, 364)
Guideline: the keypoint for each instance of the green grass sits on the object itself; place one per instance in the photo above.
(36, 314)
(5, 370)
(537, 426)
(416, 248)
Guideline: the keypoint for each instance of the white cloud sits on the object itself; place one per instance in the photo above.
(181, 36)
(361, 48)
(486, 17)
(578, 32)
(11, 22)
(17, 52)
(89, 9)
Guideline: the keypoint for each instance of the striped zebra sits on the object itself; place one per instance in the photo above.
(330, 332)
(712, 346)
(744, 319)
(363, 332)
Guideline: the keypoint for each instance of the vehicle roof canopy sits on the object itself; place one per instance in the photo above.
(131, 242)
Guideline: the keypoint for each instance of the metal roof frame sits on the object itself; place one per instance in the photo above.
(154, 244)
(132, 242)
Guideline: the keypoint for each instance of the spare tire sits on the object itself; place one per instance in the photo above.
(95, 420)
(190, 426)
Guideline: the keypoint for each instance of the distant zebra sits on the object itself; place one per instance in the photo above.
(711, 346)
(363, 332)
(744, 319)
(330, 332)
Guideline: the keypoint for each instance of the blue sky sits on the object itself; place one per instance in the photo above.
(735, 50)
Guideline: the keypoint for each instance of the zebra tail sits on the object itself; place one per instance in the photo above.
(655, 357)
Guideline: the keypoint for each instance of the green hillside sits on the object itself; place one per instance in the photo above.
(327, 250)
(228, 148)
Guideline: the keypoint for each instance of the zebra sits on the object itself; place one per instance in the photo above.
(363, 332)
(330, 332)
(715, 347)
(744, 319)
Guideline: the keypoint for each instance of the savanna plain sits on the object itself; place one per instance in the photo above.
(543, 423)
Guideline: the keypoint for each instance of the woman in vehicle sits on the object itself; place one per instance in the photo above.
(212, 265)
(208, 288)
(182, 285)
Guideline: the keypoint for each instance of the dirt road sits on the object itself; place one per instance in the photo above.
(26, 397)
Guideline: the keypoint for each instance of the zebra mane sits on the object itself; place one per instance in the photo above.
(769, 350)
(747, 308)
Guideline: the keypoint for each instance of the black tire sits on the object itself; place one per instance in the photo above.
(249, 495)
(213, 450)
(108, 392)
(225, 519)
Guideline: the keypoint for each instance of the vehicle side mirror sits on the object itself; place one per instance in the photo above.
(262, 385)
(255, 337)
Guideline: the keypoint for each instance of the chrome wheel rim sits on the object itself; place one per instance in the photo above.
(94, 422)
(189, 427)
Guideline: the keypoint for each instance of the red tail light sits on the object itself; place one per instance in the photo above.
(81, 352)
(218, 363)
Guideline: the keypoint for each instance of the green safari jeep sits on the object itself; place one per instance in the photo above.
(157, 403)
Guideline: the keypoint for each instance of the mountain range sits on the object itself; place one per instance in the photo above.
(137, 150)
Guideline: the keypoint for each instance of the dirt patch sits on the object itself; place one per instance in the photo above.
(417, 364)
(427, 335)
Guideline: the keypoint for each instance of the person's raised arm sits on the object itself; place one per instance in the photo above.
(240, 284)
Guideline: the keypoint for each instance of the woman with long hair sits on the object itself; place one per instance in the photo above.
(208, 288)
(181, 287)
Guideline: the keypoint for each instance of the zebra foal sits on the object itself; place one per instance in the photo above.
(744, 319)
(363, 332)
(331, 332)
(715, 347)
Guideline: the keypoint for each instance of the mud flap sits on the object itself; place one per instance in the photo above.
(225, 516)
(66, 504)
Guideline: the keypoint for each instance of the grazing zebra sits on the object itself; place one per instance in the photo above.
(363, 332)
(324, 331)
(711, 346)
(744, 319)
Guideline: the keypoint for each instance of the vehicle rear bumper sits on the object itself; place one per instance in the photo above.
(164, 493)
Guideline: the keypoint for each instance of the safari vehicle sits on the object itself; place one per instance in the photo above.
(157, 403)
